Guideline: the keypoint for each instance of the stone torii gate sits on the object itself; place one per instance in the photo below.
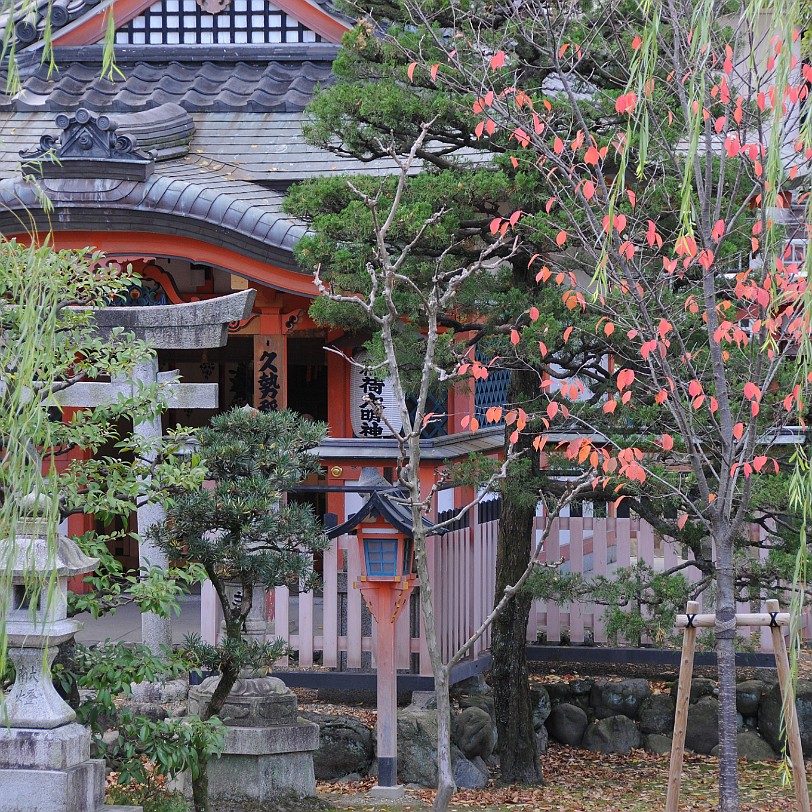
(193, 325)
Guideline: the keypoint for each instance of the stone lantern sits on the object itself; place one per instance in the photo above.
(45, 763)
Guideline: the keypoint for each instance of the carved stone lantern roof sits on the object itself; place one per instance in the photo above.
(31, 553)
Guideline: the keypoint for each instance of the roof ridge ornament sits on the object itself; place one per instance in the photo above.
(213, 6)
(89, 147)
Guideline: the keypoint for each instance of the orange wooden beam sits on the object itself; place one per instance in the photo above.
(135, 242)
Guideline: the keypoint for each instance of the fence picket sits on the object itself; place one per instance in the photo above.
(463, 570)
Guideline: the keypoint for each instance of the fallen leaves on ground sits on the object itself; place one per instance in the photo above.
(581, 781)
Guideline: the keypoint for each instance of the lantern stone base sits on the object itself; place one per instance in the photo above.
(50, 771)
(393, 794)
(262, 763)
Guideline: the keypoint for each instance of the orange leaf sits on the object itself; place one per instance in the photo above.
(561, 238)
(738, 430)
(514, 337)
(567, 334)
(681, 520)
(410, 70)
(667, 442)
(558, 146)
(552, 409)
(609, 406)
(534, 313)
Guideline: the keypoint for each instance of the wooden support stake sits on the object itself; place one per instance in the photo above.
(686, 668)
(790, 714)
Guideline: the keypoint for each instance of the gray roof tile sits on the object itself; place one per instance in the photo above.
(185, 197)
(215, 86)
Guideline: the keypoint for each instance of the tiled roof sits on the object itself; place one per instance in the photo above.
(282, 85)
(191, 197)
(29, 28)
(268, 149)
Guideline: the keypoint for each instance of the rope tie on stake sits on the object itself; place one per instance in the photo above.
(690, 624)
(773, 620)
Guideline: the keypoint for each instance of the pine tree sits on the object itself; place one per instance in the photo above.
(244, 534)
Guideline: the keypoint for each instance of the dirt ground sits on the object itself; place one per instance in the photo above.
(582, 781)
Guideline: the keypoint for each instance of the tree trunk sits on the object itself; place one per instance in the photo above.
(229, 672)
(200, 785)
(726, 664)
(518, 754)
(445, 775)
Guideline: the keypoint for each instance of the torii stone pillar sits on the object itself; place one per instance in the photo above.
(193, 325)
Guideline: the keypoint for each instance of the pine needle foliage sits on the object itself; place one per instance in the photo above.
(242, 532)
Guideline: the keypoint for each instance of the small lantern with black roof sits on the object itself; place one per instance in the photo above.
(384, 529)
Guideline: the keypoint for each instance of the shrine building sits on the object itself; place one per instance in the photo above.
(177, 164)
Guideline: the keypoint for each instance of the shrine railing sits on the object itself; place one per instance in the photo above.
(332, 628)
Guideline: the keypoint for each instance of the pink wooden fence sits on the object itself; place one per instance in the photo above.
(462, 567)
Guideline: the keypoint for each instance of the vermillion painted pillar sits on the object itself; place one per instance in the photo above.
(387, 703)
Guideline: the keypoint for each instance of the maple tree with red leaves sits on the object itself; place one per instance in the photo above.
(714, 303)
(673, 181)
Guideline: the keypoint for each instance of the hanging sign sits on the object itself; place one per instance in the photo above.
(368, 395)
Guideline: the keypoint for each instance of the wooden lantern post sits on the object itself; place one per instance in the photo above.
(387, 582)
(384, 530)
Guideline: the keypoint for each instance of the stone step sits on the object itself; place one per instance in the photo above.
(119, 808)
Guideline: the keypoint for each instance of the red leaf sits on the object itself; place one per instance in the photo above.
(683, 517)
(410, 70)
(738, 430)
(667, 442)
(718, 230)
(636, 42)
(561, 238)
(514, 337)
(534, 313)
(558, 146)
(609, 406)
(498, 60)
(751, 391)
(552, 409)
(434, 69)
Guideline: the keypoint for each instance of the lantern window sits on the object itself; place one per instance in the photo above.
(381, 557)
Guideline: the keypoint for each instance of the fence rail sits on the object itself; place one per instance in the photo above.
(334, 629)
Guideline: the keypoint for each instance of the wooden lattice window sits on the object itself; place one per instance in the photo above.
(176, 22)
(490, 391)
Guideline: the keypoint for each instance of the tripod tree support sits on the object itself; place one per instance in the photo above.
(776, 620)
